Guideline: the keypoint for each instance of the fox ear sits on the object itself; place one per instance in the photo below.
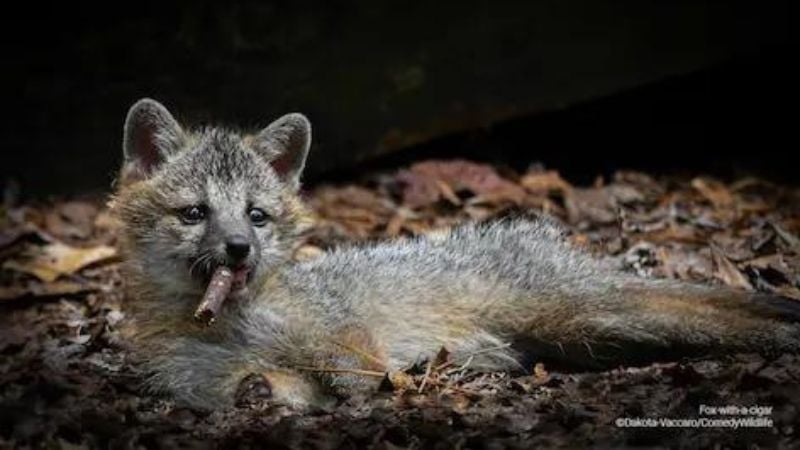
(151, 135)
(286, 142)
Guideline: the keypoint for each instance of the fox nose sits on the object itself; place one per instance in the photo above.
(237, 247)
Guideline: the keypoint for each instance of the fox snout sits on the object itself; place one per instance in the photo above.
(225, 243)
(237, 247)
(232, 241)
(233, 251)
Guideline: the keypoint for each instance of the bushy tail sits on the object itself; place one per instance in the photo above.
(519, 281)
(648, 320)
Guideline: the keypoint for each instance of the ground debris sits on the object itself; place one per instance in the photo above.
(65, 379)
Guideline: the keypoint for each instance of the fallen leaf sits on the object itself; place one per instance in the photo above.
(770, 261)
(14, 234)
(57, 288)
(772, 273)
(790, 239)
(442, 358)
(545, 183)
(680, 263)
(72, 219)
(645, 184)
(359, 211)
(53, 260)
(593, 205)
(750, 182)
(735, 248)
(427, 182)
(447, 192)
(540, 375)
(788, 291)
(417, 189)
(400, 380)
(674, 233)
(727, 272)
(479, 213)
(714, 191)
(760, 238)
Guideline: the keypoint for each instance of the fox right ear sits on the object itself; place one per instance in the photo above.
(286, 142)
(151, 135)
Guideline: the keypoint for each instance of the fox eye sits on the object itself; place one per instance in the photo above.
(192, 215)
(258, 216)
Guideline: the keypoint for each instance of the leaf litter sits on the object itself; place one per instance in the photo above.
(65, 381)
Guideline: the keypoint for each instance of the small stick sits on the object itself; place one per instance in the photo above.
(361, 353)
(425, 378)
(218, 289)
(462, 367)
(365, 373)
(470, 356)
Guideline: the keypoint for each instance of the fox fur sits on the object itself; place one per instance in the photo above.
(497, 294)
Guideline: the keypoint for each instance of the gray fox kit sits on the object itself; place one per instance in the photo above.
(192, 201)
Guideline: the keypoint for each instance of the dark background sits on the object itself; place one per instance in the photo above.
(584, 86)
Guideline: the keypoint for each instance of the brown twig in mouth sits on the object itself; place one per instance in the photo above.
(217, 291)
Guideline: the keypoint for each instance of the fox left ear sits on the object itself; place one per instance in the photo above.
(286, 142)
(150, 136)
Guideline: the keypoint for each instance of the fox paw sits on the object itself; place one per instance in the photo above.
(254, 389)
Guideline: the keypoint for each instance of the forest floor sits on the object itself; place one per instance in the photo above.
(65, 382)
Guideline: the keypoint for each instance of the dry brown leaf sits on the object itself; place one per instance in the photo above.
(545, 183)
(422, 183)
(774, 273)
(13, 235)
(600, 204)
(593, 204)
(714, 191)
(417, 227)
(775, 262)
(400, 380)
(790, 239)
(72, 219)
(735, 248)
(395, 225)
(53, 260)
(540, 375)
(674, 233)
(479, 213)
(727, 272)
(448, 193)
(624, 194)
(442, 358)
(418, 190)
(683, 264)
(359, 211)
(788, 291)
(644, 183)
(53, 289)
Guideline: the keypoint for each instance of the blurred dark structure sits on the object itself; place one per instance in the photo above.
(585, 86)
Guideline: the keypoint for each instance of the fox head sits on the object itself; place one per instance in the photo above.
(192, 200)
